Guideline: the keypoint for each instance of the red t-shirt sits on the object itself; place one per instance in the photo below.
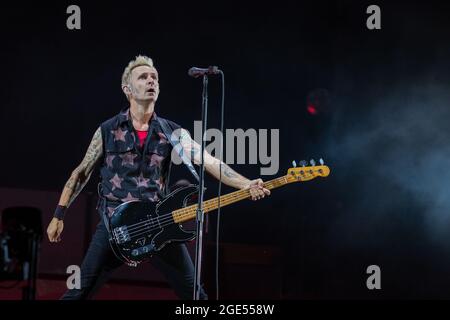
(142, 136)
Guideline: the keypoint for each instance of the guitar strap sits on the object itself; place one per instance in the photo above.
(175, 142)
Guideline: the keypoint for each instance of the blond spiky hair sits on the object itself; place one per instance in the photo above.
(139, 61)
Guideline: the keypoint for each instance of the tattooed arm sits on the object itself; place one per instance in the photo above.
(212, 166)
(78, 179)
(80, 176)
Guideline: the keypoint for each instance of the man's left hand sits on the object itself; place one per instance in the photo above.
(257, 189)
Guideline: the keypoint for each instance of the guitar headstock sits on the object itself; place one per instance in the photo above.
(305, 173)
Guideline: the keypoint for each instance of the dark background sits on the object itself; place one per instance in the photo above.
(382, 125)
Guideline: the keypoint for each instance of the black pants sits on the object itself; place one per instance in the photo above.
(173, 261)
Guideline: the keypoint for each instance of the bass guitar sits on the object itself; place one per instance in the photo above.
(138, 229)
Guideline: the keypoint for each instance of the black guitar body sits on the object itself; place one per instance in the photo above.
(138, 229)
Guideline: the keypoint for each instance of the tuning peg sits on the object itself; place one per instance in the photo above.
(303, 163)
(294, 164)
(312, 162)
(321, 161)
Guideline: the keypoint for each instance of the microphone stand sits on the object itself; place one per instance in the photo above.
(200, 212)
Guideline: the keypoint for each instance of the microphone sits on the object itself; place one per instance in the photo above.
(197, 72)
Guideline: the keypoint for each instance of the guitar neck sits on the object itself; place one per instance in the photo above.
(190, 212)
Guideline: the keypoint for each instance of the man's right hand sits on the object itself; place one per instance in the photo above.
(54, 230)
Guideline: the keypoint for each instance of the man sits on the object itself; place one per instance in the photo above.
(134, 155)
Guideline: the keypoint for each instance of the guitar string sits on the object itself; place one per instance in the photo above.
(164, 222)
(181, 213)
(169, 216)
(169, 220)
(149, 227)
(208, 203)
(210, 206)
(233, 197)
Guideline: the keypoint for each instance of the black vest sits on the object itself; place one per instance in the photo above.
(128, 171)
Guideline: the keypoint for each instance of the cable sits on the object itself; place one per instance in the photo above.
(220, 184)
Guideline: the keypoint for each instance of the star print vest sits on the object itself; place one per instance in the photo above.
(130, 171)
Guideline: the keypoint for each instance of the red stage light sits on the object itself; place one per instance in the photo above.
(312, 110)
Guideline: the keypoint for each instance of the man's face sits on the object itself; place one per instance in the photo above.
(144, 83)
